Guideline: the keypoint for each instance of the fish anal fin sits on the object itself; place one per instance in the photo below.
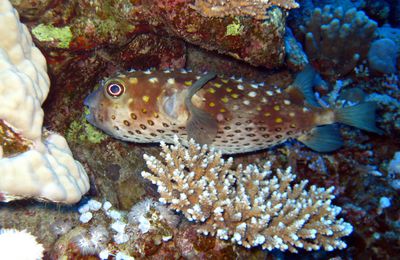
(323, 139)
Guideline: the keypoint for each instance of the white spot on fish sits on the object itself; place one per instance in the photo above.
(239, 80)
(240, 87)
(147, 72)
(305, 109)
(235, 107)
(286, 102)
(278, 90)
(254, 86)
(171, 81)
(252, 94)
(153, 80)
(246, 102)
(183, 71)
(264, 100)
(220, 117)
(269, 93)
(198, 77)
(167, 71)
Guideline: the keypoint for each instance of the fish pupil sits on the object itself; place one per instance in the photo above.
(115, 90)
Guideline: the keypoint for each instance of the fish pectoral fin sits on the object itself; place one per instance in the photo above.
(323, 139)
(202, 127)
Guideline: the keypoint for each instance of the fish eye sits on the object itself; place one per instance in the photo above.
(115, 89)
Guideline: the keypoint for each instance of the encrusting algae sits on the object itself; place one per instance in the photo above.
(230, 114)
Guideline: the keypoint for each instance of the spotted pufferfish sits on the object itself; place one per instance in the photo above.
(229, 114)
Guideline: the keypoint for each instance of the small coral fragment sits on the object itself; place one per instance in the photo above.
(248, 205)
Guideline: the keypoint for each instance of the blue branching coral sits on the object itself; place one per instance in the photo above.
(335, 40)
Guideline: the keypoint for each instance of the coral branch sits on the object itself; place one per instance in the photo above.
(335, 40)
(247, 205)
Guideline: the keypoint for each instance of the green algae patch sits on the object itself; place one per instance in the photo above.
(81, 131)
(235, 28)
(49, 33)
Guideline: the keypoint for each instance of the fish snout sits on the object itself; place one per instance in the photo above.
(91, 102)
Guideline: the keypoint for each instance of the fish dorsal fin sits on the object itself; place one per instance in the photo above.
(201, 126)
(304, 83)
(323, 139)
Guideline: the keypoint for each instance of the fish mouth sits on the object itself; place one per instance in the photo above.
(88, 102)
(90, 118)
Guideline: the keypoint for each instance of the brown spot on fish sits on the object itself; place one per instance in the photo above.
(133, 116)
(143, 126)
(150, 122)
(113, 117)
(126, 123)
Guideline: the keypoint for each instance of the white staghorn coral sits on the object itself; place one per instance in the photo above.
(248, 206)
(33, 163)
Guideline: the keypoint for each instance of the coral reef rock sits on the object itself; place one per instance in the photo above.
(254, 8)
(248, 206)
(33, 162)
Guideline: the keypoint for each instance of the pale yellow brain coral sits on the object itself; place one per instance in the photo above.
(45, 168)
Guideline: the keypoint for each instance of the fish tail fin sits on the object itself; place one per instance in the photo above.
(304, 82)
(323, 139)
(361, 116)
